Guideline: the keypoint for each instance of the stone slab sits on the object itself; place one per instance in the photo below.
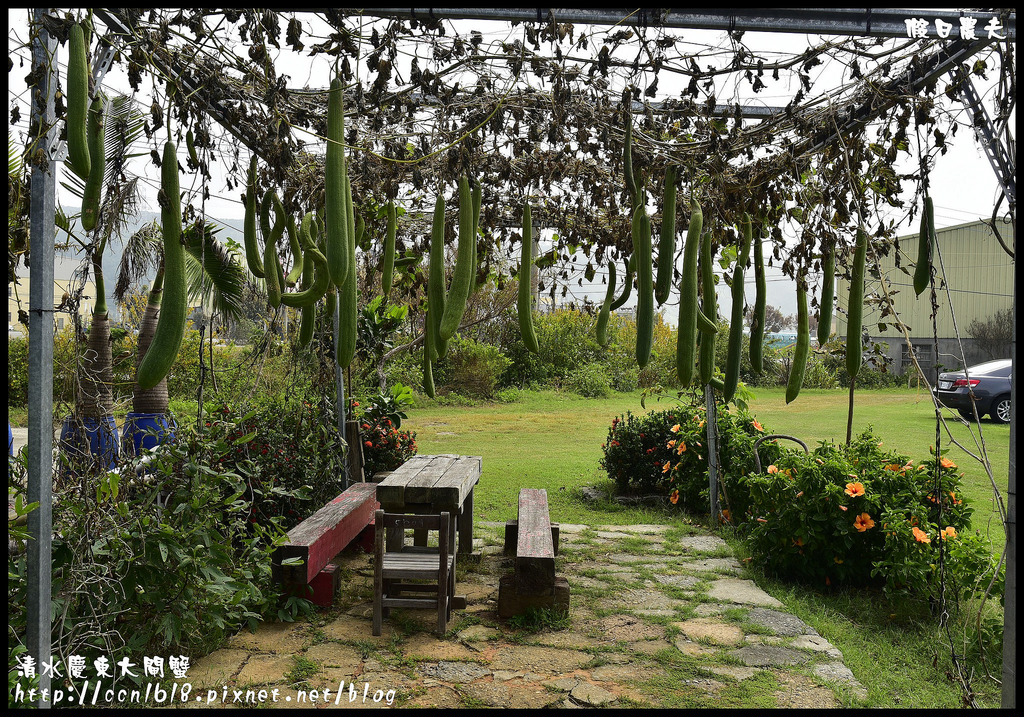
(265, 669)
(588, 694)
(817, 643)
(539, 659)
(742, 592)
(718, 633)
(780, 623)
(769, 656)
(838, 673)
(453, 672)
(703, 543)
(217, 668)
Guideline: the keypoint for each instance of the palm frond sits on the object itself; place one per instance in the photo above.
(142, 252)
(13, 159)
(124, 123)
(214, 272)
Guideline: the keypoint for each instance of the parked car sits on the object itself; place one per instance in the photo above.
(990, 383)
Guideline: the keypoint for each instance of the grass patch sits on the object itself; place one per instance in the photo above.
(538, 619)
(303, 669)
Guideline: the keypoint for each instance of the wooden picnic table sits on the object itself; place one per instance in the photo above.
(433, 484)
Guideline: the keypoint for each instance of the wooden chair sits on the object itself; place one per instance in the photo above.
(392, 568)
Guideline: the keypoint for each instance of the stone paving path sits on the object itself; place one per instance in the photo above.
(658, 618)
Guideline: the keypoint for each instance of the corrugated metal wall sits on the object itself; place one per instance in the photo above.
(978, 276)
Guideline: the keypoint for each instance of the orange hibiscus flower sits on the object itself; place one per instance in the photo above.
(949, 532)
(854, 489)
(863, 522)
(675, 428)
(773, 469)
(946, 463)
(667, 468)
(674, 497)
(757, 425)
(921, 536)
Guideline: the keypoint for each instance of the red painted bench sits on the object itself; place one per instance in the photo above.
(317, 539)
(533, 583)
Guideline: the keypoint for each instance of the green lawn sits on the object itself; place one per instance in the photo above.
(553, 440)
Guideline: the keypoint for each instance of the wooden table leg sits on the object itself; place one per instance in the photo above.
(466, 525)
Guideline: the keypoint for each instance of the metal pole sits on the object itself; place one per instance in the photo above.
(1009, 695)
(339, 382)
(871, 22)
(40, 347)
(712, 431)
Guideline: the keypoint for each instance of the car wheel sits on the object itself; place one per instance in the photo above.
(967, 415)
(1001, 410)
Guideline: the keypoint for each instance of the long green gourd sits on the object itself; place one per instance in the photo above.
(334, 186)
(803, 342)
(524, 302)
(271, 263)
(644, 285)
(667, 240)
(388, 270)
(828, 290)
(709, 307)
(686, 337)
(477, 198)
(307, 320)
(252, 251)
(732, 362)
(926, 239)
(78, 102)
(348, 296)
(435, 280)
(295, 244)
(455, 303)
(855, 308)
(170, 327)
(98, 157)
(628, 288)
(627, 157)
(760, 309)
(314, 265)
(609, 297)
(428, 349)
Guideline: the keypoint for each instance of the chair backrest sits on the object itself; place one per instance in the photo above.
(401, 521)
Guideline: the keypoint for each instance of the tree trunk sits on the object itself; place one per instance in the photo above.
(153, 400)
(96, 377)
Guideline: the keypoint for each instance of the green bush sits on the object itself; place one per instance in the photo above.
(17, 372)
(471, 368)
(860, 515)
(567, 343)
(591, 381)
(174, 563)
(636, 451)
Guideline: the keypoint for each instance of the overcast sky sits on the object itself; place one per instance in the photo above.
(963, 185)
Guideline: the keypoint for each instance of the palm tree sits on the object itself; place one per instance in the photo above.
(215, 277)
(94, 401)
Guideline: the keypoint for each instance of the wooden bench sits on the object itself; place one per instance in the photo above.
(533, 583)
(317, 539)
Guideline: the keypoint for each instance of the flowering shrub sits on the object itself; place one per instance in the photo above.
(859, 515)
(664, 452)
(636, 451)
(385, 447)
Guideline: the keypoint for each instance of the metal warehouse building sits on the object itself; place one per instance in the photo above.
(978, 282)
